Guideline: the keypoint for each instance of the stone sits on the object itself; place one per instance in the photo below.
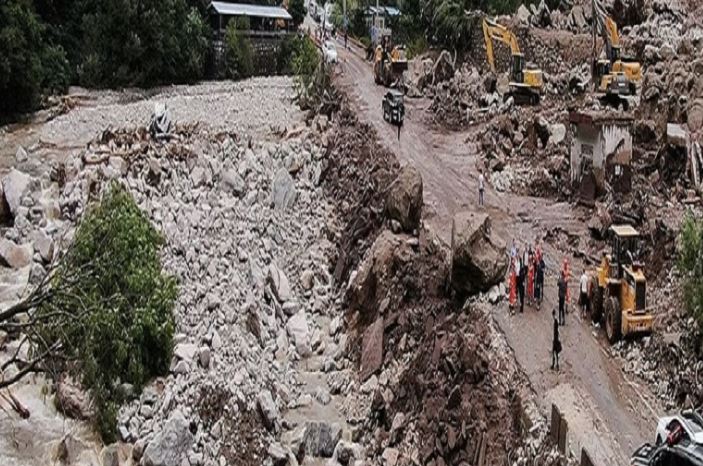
(390, 456)
(279, 283)
(71, 450)
(321, 438)
(372, 349)
(676, 135)
(268, 410)
(216, 340)
(494, 294)
(185, 351)
(578, 17)
(118, 164)
(182, 367)
(307, 279)
(651, 54)
(523, 14)
(72, 400)
(283, 190)
(557, 133)
(478, 254)
(14, 256)
(298, 330)
(323, 396)
(346, 453)
(233, 183)
(15, 185)
(115, 454)
(44, 245)
(695, 115)
(404, 199)
(667, 52)
(169, 446)
(204, 356)
(397, 427)
(21, 155)
(278, 454)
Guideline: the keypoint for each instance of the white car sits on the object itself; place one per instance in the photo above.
(691, 424)
(329, 52)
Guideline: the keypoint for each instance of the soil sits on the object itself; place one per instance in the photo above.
(448, 165)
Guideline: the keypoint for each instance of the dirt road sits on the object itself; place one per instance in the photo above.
(608, 414)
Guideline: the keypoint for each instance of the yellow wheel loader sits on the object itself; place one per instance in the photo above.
(618, 288)
(525, 83)
(389, 64)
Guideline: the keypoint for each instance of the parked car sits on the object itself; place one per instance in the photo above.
(668, 455)
(393, 107)
(329, 52)
(686, 426)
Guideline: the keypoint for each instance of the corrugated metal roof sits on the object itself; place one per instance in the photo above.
(241, 9)
(388, 10)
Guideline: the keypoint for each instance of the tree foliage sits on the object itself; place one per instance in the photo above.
(115, 321)
(239, 54)
(690, 262)
(297, 10)
(21, 48)
(305, 62)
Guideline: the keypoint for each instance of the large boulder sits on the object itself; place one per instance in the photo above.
(523, 14)
(72, 400)
(695, 116)
(299, 331)
(479, 258)
(13, 255)
(321, 438)
(404, 201)
(283, 191)
(15, 185)
(443, 68)
(268, 410)
(170, 446)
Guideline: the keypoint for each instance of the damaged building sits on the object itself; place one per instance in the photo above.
(601, 153)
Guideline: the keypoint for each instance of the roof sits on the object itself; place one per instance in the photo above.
(387, 10)
(624, 230)
(241, 9)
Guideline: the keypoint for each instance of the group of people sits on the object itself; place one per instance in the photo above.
(526, 276)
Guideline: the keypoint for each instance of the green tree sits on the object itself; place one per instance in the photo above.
(690, 263)
(239, 60)
(305, 62)
(297, 10)
(110, 305)
(21, 47)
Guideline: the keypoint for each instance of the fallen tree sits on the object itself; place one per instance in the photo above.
(102, 313)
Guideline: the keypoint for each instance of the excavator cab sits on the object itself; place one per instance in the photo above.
(518, 66)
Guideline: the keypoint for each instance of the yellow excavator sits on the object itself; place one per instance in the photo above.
(525, 83)
(389, 64)
(613, 75)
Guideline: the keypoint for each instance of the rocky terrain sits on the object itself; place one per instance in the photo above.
(306, 329)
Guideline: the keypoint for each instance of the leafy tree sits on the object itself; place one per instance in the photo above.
(125, 330)
(297, 10)
(239, 60)
(21, 45)
(305, 62)
(56, 70)
(690, 262)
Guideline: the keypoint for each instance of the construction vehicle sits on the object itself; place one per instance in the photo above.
(613, 75)
(525, 82)
(389, 64)
(618, 289)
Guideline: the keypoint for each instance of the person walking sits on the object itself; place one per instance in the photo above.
(345, 39)
(561, 285)
(521, 286)
(539, 279)
(556, 343)
(481, 182)
(583, 294)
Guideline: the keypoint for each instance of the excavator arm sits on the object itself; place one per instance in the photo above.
(608, 30)
(494, 31)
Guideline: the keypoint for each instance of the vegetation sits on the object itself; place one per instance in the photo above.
(305, 61)
(297, 10)
(690, 262)
(104, 312)
(239, 55)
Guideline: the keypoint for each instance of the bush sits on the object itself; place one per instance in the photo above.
(114, 308)
(239, 59)
(690, 262)
(56, 70)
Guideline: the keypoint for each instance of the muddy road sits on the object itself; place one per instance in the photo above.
(606, 412)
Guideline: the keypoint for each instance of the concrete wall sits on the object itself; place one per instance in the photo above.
(606, 149)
